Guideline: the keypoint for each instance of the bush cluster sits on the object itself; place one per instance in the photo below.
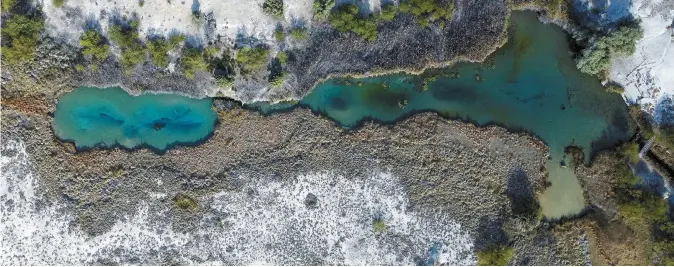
(94, 46)
(193, 60)
(322, 8)
(428, 10)
(23, 32)
(597, 58)
(252, 59)
(496, 256)
(126, 37)
(160, 46)
(273, 8)
(299, 34)
(347, 19)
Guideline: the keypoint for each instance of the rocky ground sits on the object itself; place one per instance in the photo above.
(483, 179)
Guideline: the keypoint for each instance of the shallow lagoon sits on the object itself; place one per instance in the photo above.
(529, 85)
(109, 117)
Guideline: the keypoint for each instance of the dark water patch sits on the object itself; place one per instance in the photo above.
(93, 117)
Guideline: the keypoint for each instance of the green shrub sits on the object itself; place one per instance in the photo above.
(159, 48)
(282, 57)
(631, 152)
(7, 5)
(379, 225)
(428, 10)
(498, 256)
(94, 46)
(299, 34)
(23, 32)
(273, 8)
(346, 19)
(279, 34)
(665, 137)
(185, 202)
(58, 3)
(278, 80)
(388, 12)
(192, 61)
(133, 50)
(224, 82)
(322, 8)
(252, 58)
(141, 3)
(597, 58)
(79, 67)
(613, 88)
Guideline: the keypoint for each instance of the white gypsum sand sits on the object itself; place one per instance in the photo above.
(648, 74)
(263, 223)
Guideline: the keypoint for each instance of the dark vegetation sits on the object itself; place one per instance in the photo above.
(492, 243)
(94, 47)
(222, 68)
(252, 58)
(347, 19)
(428, 11)
(644, 210)
(193, 60)
(273, 8)
(322, 8)
(20, 31)
(125, 35)
(160, 46)
(596, 59)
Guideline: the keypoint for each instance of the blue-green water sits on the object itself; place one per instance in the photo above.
(93, 117)
(529, 85)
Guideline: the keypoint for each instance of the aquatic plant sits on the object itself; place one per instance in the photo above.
(252, 59)
(597, 58)
(322, 8)
(94, 46)
(133, 49)
(160, 46)
(192, 60)
(427, 11)
(347, 19)
(497, 256)
(273, 8)
(22, 32)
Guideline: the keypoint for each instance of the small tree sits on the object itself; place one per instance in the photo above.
(273, 8)
(94, 46)
(23, 34)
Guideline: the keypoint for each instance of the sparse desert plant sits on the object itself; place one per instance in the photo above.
(273, 8)
(279, 34)
(299, 34)
(379, 225)
(185, 202)
(22, 32)
(282, 57)
(252, 59)
(497, 256)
